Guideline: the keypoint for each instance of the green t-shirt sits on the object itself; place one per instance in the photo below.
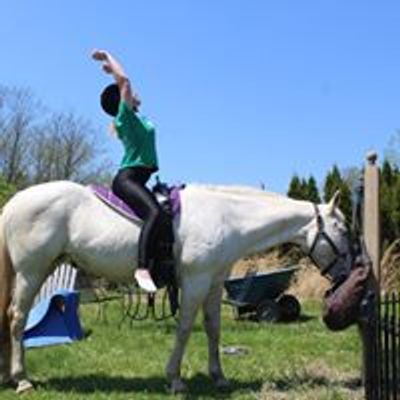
(138, 137)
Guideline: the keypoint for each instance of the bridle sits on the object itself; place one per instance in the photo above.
(321, 234)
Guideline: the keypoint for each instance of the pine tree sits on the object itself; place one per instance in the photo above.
(389, 202)
(304, 189)
(387, 211)
(387, 173)
(333, 182)
(395, 208)
(312, 190)
(345, 203)
(295, 191)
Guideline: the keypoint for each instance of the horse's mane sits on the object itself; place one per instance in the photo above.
(241, 190)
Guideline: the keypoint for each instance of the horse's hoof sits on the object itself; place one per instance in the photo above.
(177, 386)
(23, 386)
(222, 383)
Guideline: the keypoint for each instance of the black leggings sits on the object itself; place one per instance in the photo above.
(130, 185)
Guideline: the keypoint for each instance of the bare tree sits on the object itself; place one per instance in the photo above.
(18, 111)
(36, 146)
(65, 147)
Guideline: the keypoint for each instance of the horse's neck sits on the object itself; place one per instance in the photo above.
(265, 225)
(260, 220)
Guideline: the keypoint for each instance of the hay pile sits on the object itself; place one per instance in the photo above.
(307, 282)
(390, 267)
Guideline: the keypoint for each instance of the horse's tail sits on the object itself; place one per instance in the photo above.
(6, 282)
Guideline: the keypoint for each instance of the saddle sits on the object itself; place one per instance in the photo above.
(163, 270)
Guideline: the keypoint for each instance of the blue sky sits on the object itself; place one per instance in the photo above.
(240, 91)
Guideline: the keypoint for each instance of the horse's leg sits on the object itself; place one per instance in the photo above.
(212, 325)
(6, 280)
(5, 347)
(24, 294)
(193, 293)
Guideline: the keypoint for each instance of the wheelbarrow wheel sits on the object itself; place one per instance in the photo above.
(290, 308)
(268, 311)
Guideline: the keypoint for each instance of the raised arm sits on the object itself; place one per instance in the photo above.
(112, 66)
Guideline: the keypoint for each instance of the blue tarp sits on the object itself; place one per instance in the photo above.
(54, 320)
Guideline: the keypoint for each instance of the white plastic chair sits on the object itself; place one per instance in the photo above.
(64, 277)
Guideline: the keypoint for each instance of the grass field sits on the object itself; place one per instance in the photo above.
(301, 360)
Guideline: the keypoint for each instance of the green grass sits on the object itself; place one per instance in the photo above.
(300, 360)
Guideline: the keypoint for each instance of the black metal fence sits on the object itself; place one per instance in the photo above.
(383, 348)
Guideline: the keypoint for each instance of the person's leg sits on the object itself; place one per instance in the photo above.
(129, 185)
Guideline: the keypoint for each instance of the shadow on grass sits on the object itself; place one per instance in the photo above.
(303, 318)
(199, 385)
(306, 318)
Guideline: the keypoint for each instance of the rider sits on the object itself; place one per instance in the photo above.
(137, 135)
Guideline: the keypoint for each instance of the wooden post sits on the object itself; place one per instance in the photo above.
(371, 212)
(371, 232)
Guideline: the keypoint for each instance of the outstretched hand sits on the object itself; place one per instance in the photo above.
(99, 55)
(111, 66)
(102, 55)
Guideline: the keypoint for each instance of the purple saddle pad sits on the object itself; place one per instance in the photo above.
(108, 197)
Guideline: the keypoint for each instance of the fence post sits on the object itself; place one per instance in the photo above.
(371, 212)
(369, 329)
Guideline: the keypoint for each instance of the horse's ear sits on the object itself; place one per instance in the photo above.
(334, 202)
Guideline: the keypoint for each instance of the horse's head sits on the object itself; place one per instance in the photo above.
(328, 241)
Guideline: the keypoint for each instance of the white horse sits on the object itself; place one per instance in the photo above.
(217, 226)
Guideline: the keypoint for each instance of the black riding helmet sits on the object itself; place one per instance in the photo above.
(110, 98)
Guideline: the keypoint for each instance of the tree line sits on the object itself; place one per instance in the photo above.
(307, 189)
(389, 202)
(347, 182)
